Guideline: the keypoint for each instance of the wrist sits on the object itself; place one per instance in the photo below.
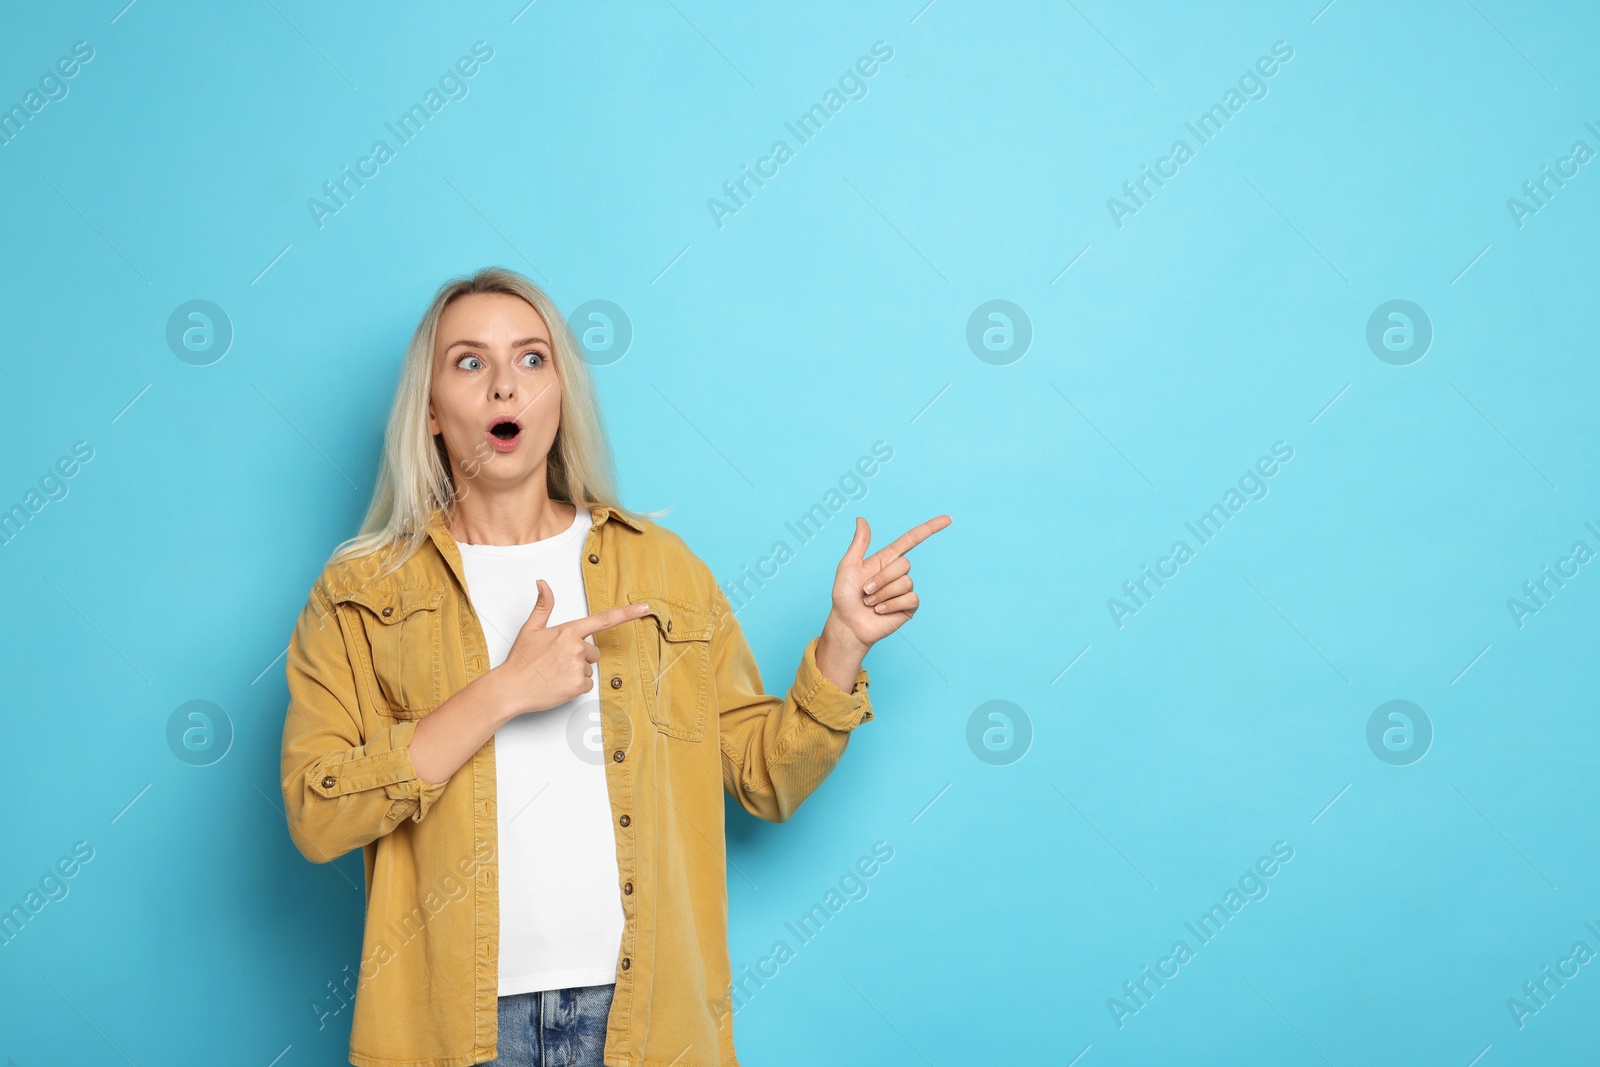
(497, 697)
(837, 637)
(839, 654)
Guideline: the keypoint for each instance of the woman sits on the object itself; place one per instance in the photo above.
(544, 839)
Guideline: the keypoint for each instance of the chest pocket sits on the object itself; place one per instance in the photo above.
(674, 643)
(404, 638)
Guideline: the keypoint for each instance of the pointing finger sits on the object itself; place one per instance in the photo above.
(604, 620)
(912, 538)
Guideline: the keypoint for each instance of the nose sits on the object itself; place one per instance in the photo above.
(504, 385)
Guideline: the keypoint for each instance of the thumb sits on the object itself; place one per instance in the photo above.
(859, 543)
(539, 617)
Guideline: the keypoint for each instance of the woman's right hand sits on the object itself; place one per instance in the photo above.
(550, 665)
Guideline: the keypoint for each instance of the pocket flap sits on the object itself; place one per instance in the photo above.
(392, 605)
(678, 619)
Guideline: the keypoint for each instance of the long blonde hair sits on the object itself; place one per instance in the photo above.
(415, 477)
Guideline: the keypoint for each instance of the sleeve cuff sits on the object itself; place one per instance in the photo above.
(384, 763)
(824, 701)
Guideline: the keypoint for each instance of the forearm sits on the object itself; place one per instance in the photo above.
(776, 751)
(839, 654)
(447, 737)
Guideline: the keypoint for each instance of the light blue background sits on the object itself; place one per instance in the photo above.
(770, 354)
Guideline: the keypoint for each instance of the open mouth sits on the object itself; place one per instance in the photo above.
(504, 433)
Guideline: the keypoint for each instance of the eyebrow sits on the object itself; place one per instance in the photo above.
(515, 344)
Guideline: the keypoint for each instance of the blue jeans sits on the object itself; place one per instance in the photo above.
(554, 1028)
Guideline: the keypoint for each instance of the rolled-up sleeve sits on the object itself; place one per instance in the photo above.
(341, 788)
(777, 750)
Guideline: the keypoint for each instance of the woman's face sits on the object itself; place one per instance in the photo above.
(493, 364)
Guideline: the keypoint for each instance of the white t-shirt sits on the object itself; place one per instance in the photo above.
(560, 902)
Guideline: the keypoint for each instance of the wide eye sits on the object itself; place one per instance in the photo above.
(464, 360)
(538, 356)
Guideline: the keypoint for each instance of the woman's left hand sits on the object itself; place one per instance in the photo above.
(872, 595)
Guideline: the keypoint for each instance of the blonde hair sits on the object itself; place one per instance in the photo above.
(414, 475)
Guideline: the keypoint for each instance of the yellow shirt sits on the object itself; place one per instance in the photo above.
(683, 718)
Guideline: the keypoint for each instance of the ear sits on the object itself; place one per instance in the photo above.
(433, 422)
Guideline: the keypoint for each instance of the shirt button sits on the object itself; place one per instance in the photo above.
(625, 820)
(626, 963)
(616, 682)
(387, 612)
(617, 755)
(627, 888)
(329, 782)
(593, 558)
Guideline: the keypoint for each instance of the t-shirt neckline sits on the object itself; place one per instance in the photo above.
(579, 522)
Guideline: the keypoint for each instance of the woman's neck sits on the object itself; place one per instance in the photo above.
(480, 519)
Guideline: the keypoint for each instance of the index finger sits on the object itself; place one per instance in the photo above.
(912, 538)
(604, 620)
